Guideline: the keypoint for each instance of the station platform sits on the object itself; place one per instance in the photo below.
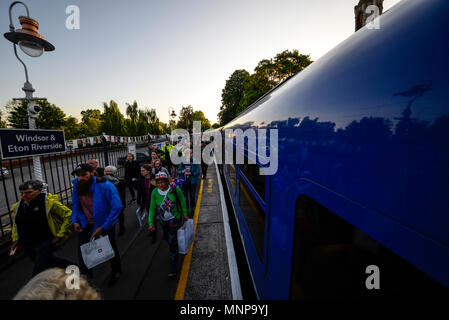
(203, 273)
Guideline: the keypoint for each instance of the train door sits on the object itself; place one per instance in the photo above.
(253, 204)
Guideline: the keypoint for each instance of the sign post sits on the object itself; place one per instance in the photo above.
(132, 149)
(19, 143)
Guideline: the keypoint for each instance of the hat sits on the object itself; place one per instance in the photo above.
(82, 168)
(161, 175)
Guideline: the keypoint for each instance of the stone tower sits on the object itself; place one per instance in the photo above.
(360, 11)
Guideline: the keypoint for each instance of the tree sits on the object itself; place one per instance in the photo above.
(269, 73)
(150, 117)
(133, 113)
(231, 95)
(91, 122)
(50, 117)
(18, 114)
(199, 116)
(112, 119)
(72, 128)
(216, 125)
(185, 118)
(90, 114)
(2, 122)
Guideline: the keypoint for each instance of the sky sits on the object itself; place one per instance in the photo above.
(163, 53)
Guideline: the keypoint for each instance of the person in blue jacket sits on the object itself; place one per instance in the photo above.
(96, 207)
(190, 172)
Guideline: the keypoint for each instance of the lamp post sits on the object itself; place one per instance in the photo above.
(172, 114)
(34, 45)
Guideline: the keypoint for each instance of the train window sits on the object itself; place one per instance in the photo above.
(251, 172)
(330, 258)
(254, 216)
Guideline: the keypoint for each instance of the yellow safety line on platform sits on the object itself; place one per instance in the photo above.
(180, 291)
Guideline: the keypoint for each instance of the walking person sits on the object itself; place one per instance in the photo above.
(154, 157)
(169, 207)
(98, 171)
(159, 168)
(110, 174)
(132, 173)
(203, 164)
(40, 222)
(96, 207)
(166, 156)
(144, 190)
(190, 172)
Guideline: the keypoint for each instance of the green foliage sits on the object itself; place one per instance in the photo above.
(18, 114)
(112, 119)
(185, 118)
(90, 123)
(90, 114)
(231, 95)
(199, 116)
(2, 122)
(242, 89)
(72, 129)
(50, 117)
(255, 86)
(188, 115)
(216, 125)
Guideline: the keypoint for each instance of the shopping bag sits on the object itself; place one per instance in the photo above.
(185, 237)
(141, 214)
(97, 251)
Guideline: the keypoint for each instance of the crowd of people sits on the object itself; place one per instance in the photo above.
(165, 192)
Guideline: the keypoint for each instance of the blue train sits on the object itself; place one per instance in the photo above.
(362, 186)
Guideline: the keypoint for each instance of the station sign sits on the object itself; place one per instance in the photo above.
(19, 143)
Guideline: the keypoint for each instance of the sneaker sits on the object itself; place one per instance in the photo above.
(114, 277)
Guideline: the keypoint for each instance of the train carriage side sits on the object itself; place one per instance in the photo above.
(363, 175)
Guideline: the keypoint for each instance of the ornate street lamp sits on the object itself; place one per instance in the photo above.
(171, 114)
(33, 45)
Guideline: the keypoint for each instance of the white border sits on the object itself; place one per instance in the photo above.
(233, 270)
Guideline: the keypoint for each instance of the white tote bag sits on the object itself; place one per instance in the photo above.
(141, 214)
(185, 236)
(97, 251)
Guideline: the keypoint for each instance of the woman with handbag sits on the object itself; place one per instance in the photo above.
(132, 172)
(168, 205)
(144, 190)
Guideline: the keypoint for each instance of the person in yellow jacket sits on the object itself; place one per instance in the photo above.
(166, 154)
(40, 222)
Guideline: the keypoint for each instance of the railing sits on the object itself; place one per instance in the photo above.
(56, 169)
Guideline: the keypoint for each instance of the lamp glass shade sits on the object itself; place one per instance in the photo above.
(31, 48)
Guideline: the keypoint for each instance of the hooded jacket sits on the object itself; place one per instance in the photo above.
(58, 218)
(107, 204)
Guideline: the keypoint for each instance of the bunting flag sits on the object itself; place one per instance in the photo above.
(121, 139)
(75, 144)
(92, 141)
(84, 142)
(98, 139)
(108, 138)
